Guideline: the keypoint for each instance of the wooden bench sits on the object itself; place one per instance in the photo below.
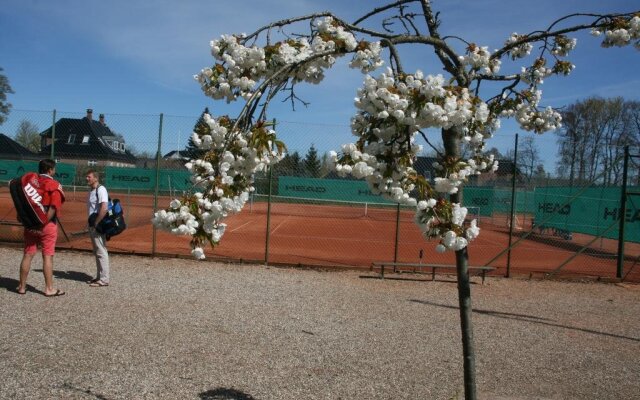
(415, 266)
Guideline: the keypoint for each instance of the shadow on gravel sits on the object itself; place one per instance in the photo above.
(11, 284)
(71, 275)
(225, 394)
(392, 278)
(529, 318)
(89, 392)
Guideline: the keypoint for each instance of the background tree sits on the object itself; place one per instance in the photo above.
(528, 157)
(28, 135)
(290, 165)
(5, 89)
(312, 164)
(193, 151)
(395, 110)
(326, 165)
(592, 139)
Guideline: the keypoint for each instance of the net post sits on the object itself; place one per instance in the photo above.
(395, 252)
(53, 135)
(513, 201)
(157, 186)
(266, 244)
(622, 214)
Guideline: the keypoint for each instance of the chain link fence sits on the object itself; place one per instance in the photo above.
(303, 213)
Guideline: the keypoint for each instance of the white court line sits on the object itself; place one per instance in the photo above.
(280, 224)
(235, 229)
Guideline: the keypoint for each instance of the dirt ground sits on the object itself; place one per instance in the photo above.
(170, 328)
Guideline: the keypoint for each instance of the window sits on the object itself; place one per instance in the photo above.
(92, 163)
(85, 139)
(115, 145)
(71, 139)
(121, 146)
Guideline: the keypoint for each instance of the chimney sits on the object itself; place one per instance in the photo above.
(89, 114)
(102, 119)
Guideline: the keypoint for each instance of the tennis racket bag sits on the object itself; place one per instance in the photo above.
(27, 194)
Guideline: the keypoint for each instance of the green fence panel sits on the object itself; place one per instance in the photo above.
(596, 211)
(145, 179)
(9, 169)
(171, 179)
(480, 197)
(491, 200)
(328, 189)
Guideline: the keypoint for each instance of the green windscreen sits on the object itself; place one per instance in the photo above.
(65, 173)
(328, 189)
(593, 211)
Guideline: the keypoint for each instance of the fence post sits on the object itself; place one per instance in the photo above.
(53, 135)
(266, 244)
(513, 204)
(155, 196)
(622, 212)
(395, 251)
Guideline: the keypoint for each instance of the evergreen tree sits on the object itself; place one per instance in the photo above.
(312, 164)
(201, 128)
(5, 89)
(290, 165)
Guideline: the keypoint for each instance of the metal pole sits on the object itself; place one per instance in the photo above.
(157, 187)
(622, 214)
(266, 244)
(395, 251)
(53, 135)
(513, 204)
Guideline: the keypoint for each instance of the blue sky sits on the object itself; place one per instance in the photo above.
(129, 58)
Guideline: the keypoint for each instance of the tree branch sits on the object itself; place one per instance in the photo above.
(534, 37)
(447, 56)
(381, 9)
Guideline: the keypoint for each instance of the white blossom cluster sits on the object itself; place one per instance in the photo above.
(535, 74)
(392, 112)
(562, 45)
(240, 68)
(416, 102)
(530, 118)
(621, 35)
(367, 58)
(223, 178)
(520, 51)
(479, 59)
(452, 234)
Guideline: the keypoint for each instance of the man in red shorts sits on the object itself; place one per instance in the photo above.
(45, 237)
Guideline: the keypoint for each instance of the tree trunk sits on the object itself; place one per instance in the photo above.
(451, 142)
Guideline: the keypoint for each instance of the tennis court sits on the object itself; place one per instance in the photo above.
(337, 235)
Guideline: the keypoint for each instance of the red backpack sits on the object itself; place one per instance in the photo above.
(31, 196)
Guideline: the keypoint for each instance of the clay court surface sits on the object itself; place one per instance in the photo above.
(341, 236)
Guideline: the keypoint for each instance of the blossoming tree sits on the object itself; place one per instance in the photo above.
(394, 110)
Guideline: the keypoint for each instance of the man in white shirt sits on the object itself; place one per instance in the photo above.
(97, 207)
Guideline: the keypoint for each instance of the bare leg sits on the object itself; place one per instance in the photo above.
(47, 270)
(25, 266)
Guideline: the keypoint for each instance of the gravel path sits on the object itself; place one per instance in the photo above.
(181, 329)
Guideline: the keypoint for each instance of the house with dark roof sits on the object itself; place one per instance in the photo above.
(86, 141)
(12, 150)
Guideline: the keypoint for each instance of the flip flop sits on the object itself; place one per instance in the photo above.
(57, 293)
(19, 292)
(98, 283)
(94, 280)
